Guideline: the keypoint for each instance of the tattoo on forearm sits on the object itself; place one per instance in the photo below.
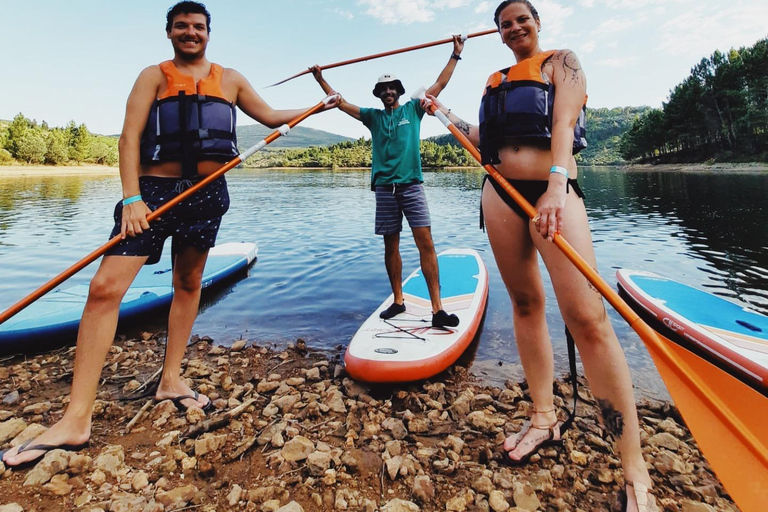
(463, 126)
(613, 419)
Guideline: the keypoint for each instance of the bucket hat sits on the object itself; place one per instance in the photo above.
(385, 79)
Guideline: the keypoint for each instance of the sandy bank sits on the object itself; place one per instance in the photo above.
(56, 170)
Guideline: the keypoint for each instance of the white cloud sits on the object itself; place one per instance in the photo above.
(639, 4)
(616, 62)
(451, 4)
(393, 12)
(612, 25)
(483, 7)
(587, 3)
(344, 13)
(691, 33)
(553, 16)
(587, 47)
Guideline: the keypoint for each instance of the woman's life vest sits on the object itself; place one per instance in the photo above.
(190, 122)
(517, 106)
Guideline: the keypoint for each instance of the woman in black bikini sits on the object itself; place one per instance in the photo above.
(531, 125)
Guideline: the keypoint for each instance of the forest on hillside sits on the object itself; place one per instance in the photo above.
(719, 112)
(605, 127)
(25, 141)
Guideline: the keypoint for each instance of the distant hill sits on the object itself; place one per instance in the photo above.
(604, 129)
(299, 137)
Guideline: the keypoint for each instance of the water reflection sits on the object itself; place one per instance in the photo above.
(320, 270)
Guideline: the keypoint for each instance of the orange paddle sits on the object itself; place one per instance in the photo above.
(386, 54)
(728, 418)
(50, 285)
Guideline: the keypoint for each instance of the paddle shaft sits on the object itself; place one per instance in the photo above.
(646, 333)
(386, 54)
(50, 285)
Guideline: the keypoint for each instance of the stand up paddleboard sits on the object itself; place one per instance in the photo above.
(726, 334)
(407, 348)
(57, 314)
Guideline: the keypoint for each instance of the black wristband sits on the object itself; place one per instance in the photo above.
(454, 56)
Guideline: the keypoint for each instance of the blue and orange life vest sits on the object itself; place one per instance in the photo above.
(190, 122)
(517, 105)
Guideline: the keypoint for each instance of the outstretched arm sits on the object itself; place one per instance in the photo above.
(254, 106)
(471, 131)
(447, 72)
(344, 105)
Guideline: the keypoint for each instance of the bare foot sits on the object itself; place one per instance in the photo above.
(66, 434)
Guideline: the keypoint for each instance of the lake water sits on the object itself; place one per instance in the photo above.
(320, 269)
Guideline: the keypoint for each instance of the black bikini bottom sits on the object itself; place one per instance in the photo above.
(531, 190)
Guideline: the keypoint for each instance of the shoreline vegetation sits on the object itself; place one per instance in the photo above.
(96, 170)
(719, 111)
(292, 433)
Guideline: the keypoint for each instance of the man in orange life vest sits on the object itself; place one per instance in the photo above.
(179, 126)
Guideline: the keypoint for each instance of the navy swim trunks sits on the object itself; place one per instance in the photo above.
(394, 201)
(193, 222)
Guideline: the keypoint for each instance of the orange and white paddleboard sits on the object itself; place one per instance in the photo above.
(406, 347)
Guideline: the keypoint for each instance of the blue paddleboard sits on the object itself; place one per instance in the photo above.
(731, 336)
(57, 314)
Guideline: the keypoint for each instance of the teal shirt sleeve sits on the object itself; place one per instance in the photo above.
(417, 108)
(366, 116)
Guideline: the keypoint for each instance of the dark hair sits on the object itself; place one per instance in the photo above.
(503, 5)
(187, 7)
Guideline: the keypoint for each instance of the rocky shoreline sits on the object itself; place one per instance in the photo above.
(291, 432)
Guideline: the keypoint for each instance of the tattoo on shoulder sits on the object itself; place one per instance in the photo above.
(571, 67)
(613, 419)
(463, 126)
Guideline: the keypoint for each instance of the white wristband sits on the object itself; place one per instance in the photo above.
(559, 170)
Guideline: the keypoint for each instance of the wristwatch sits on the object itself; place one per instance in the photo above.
(454, 56)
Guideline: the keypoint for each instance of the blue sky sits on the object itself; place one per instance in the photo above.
(77, 60)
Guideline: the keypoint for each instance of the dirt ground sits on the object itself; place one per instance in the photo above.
(292, 432)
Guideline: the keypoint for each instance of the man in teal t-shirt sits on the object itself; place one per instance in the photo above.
(397, 180)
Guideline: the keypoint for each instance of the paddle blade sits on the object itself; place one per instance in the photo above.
(743, 472)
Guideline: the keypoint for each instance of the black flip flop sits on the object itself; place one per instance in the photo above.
(177, 401)
(45, 448)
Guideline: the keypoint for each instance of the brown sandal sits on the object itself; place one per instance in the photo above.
(553, 439)
(646, 502)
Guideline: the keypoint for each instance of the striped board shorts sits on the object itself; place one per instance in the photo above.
(392, 201)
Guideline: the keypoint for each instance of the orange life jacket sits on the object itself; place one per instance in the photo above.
(517, 105)
(190, 122)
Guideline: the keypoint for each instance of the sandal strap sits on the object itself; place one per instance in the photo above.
(554, 429)
(535, 410)
(643, 497)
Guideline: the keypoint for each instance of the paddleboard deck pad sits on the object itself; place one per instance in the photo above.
(57, 314)
(406, 347)
(728, 335)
